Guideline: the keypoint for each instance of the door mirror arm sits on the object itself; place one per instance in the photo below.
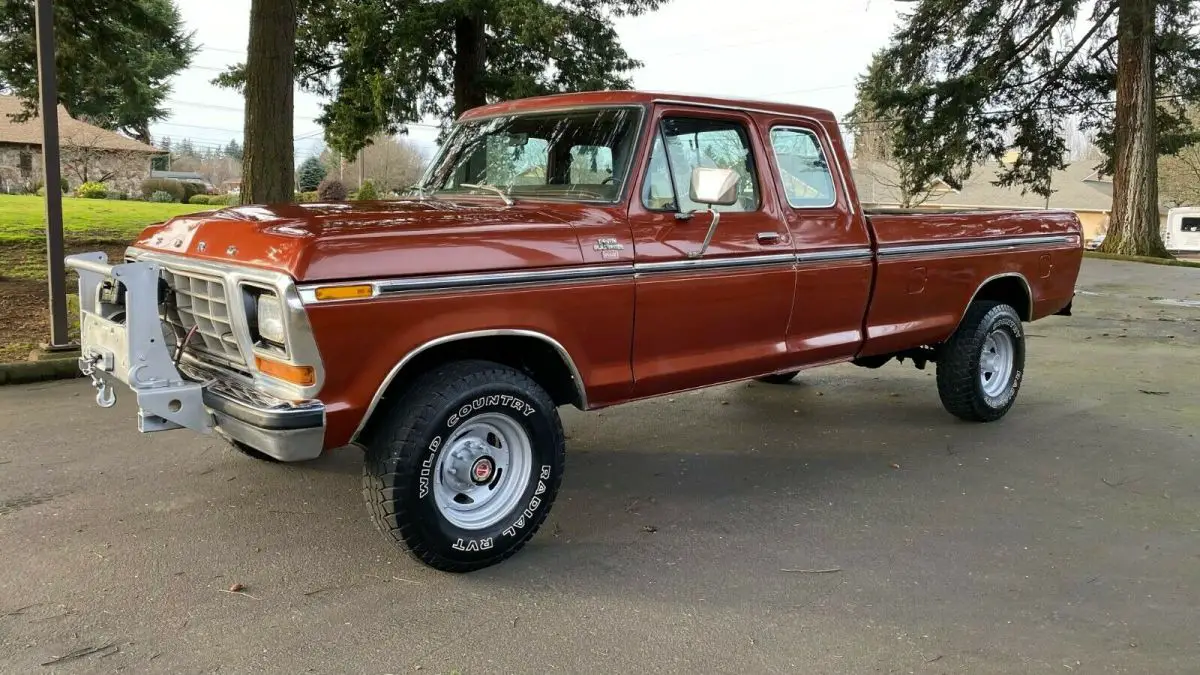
(712, 228)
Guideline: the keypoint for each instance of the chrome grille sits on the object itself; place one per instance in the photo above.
(200, 302)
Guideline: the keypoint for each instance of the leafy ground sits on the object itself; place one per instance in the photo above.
(89, 224)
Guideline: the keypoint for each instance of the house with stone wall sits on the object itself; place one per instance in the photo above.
(88, 153)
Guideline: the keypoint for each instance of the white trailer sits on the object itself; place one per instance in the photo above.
(1182, 232)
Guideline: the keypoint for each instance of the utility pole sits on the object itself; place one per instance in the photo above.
(48, 88)
(362, 167)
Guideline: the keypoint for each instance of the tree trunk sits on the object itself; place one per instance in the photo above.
(470, 60)
(267, 156)
(1133, 229)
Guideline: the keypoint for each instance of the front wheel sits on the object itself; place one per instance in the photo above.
(462, 469)
(980, 367)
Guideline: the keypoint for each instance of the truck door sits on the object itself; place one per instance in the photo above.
(833, 247)
(719, 315)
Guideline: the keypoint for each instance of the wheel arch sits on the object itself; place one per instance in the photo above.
(542, 357)
(1010, 288)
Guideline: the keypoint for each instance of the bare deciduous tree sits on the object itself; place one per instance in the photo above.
(392, 164)
(87, 156)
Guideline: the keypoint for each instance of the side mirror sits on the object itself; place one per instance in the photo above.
(714, 186)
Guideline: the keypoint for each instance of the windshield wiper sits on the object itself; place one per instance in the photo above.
(421, 191)
(489, 188)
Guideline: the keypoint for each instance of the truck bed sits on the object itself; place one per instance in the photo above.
(930, 266)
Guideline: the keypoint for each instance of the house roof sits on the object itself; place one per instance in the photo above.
(71, 131)
(178, 175)
(1078, 187)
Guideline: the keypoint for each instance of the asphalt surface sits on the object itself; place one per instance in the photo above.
(842, 524)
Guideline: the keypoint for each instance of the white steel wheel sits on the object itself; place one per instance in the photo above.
(483, 471)
(996, 363)
(980, 368)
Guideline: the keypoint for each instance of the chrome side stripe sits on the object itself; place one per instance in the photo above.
(894, 250)
(485, 280)
(715, 263)
(833, 254)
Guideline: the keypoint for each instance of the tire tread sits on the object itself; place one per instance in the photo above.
(386, 468)
(956, 379)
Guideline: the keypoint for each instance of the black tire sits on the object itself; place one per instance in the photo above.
(251, 452)
(402, 447)
(959, 378)
(778, 378)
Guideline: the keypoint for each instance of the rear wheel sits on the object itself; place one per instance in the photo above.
(778, 378)
(462, 469)
(980, 367)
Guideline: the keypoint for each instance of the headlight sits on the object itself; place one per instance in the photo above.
(270, 319)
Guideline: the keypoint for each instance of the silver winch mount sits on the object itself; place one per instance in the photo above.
(122, 341)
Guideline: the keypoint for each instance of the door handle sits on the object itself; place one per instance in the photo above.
(768, 237)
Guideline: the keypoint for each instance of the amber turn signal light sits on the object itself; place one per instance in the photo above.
(345, 292)
(304, 376)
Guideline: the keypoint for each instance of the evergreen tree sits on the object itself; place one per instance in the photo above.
(268, 158)
(310, 175)
(966, 80)
(389, 61)
(234, 150)
(115, 59)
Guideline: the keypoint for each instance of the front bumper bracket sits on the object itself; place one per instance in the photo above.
(122, 340)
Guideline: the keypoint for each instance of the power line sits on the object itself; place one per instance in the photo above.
(206, 48)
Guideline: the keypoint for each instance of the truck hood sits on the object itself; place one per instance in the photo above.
(365, 240)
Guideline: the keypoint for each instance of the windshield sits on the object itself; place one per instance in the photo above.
(581, 155)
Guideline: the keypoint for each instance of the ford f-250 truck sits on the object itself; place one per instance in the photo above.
(585, 249)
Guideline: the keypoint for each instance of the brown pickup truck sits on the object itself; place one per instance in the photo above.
(586, 249)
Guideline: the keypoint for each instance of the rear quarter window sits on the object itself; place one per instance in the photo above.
(803, 169)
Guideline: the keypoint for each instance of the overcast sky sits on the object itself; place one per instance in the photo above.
(798, 51)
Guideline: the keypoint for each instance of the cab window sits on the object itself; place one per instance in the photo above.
(803, 169)
(683, 144)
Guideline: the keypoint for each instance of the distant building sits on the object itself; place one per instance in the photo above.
(1079, 187)
(88, 153)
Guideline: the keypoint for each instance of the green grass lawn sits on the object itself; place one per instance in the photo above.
(87, 223)
(22, 218)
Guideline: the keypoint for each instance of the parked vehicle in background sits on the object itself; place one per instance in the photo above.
(1182, 232)
(442, 333)
(1096, 242)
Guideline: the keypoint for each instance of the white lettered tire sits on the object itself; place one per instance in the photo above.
(461, 470)
(981, 366)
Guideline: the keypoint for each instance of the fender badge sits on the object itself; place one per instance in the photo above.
(201, 246)
(607, 244)
(608, 247)
(231, 251)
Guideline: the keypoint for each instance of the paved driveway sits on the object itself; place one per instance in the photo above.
(1065, 538)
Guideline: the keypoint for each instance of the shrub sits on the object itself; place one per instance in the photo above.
(117, 196)
(199, 199)
(162, 197)
(367, 192)
(92, 190)
(191, 189)
(167, 185)
(331, 190)
(224, 200)
(307, 197)
(41, 189)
